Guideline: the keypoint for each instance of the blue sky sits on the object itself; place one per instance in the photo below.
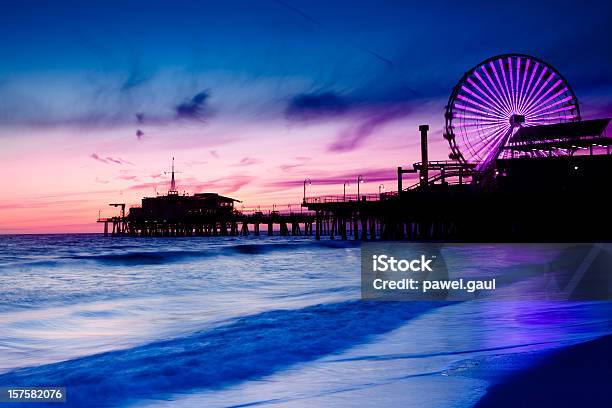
(367, 52)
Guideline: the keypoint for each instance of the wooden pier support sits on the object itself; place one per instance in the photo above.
(284, 231)
(245, 228)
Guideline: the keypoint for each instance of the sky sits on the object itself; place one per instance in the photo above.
(250, 97)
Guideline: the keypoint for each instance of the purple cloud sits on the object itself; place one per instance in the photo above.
(225, 185)
(353, 138)
(195, 108)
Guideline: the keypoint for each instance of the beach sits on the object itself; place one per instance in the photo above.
(234, 321)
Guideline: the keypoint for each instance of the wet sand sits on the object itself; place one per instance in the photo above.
(576, 376)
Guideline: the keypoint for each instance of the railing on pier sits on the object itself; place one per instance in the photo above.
(280, 210)
(445, 164)
(345, 198)
(458, 177)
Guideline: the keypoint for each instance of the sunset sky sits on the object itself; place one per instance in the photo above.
(250, 97)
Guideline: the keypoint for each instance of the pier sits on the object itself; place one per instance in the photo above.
(214, 221)
(518, 170)
(549, 198)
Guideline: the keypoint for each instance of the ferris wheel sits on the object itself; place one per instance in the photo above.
(497, 97)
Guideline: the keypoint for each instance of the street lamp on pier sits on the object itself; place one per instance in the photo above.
(310, 184)
(346, 184)
(359, 181)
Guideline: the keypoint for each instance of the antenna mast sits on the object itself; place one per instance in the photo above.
(173, 190)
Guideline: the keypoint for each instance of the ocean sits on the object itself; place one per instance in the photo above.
(256, 321)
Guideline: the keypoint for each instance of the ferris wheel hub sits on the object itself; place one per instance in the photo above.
(517, 120)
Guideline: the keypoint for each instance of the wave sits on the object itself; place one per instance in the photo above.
(247, 348)
(439, 354)
(142, 257)
(30, 263)
(162, 257)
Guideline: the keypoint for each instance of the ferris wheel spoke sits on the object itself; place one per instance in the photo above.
(497, 85)
(501, 87)
(551, 101)
(532, 85)
(549, 113)
(537, 93)
(480, 105)
(536, 96)
(521, 94)
(490, 140)
(486, 140)
(545, 105)
(535, 86)
(552, 105)
(508, 84)
(493, 98)
(478, 127)
(490, 107)
(488, 111)
(478, 111)
(510, 75)
(527, 89)
(468, 135)
(555, 119)
(502, 69)
(515, 89)
(548, 91)
(506, 87)
(498, 97)
(544, 92)
(470, 116)
(486, 151)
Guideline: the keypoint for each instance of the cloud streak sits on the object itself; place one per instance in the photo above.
(110, 160)
(353, 138)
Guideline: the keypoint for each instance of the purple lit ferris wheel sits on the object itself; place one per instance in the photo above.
(496, 98)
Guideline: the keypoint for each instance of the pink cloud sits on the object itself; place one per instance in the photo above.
(247, 161)
(226, 185)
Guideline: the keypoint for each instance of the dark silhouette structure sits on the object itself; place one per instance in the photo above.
(535, 197)
(523, 167)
